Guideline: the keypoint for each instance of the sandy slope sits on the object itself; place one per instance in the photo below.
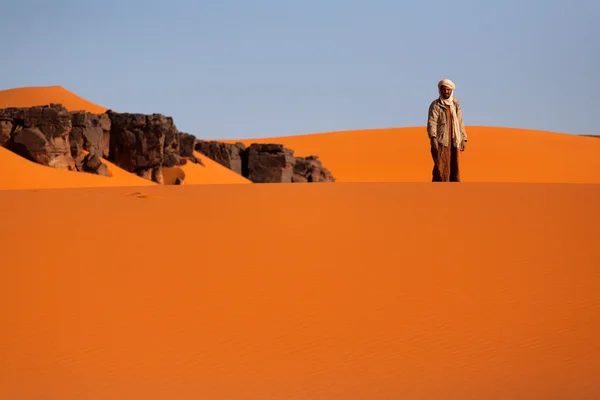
(343, 291)
(43, 95)
(209, 173)
(16, 173)
(494, 155)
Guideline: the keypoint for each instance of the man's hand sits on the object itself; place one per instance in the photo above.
(434, 143)
(463, 145)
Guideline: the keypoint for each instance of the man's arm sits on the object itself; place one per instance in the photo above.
(462, 125)
(432, 120)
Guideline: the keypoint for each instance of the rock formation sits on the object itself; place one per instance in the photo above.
(172, 146)
(228, 155)
(5, 127)
(310, 169)
(186, 144)
(90, 132)
(142, 144)
(93, 164)
(137, 143)
(270, 163)
(40, 134)
(266, 163)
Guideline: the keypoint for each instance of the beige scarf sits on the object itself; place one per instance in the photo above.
(458, 137)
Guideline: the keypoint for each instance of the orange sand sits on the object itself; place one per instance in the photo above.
(493, 155)
(328, 291)
(17, 173)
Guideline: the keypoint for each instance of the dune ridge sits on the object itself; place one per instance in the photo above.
(32, 96)
(493, 155)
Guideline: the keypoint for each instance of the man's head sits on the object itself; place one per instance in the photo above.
(446, 87)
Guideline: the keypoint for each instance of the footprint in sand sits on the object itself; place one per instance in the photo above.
(141, 195)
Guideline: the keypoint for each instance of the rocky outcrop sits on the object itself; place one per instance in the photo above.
(141, 144)
(5, 128)
(52, 136)
(172, 147)
(91, 163)
(266, 163)
(270, 163)
(137, 143)
(228, 155)
(40, 134)
(172, 160)
(186, 144)
(90, 141)
(144, 144)
(310, 169)
(90, 132)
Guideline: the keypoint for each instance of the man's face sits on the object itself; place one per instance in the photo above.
(445, 91)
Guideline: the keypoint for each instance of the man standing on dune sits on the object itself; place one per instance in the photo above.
(447, 134)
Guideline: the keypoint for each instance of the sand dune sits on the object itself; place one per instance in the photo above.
(43, 95)
(209, 173)
(345, 291)
(18, 173)
(493, 155)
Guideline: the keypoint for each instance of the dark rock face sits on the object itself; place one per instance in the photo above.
(5, 128)
(172, 147)
(90, 132)
(93, 164)
(172, 160)
(310, 169)
(228, 155)
(270, 163)
(266, 163)
(40, 134)
(186, 144)
(137, 143)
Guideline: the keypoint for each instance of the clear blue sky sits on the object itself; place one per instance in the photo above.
(255, 68)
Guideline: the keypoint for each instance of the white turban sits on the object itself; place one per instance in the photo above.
(446, 82)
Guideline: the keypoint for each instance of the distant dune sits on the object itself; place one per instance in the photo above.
(493, 155)
(42, 95)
